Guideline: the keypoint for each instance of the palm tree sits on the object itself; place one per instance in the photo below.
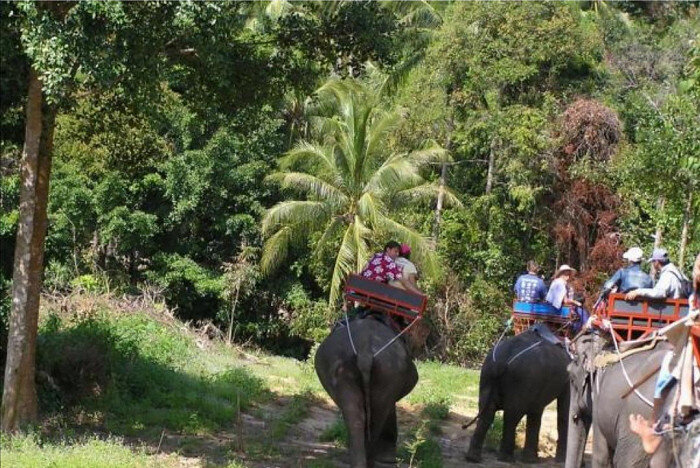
(351, 181)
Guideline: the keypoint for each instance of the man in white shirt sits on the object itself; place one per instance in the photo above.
(409, 270)
(670, 284)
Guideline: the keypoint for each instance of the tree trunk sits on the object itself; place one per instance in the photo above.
(19, 400)
(450, 123)
(233, 313)
(492, 162)
(440, 200)
(687, 220)
(660, 204)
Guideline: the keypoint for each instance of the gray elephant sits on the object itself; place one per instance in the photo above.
(366, 387)
(604, 399)
(522, 375)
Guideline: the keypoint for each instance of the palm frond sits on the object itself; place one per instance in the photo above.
(370, 208)
(275, 250)
(361, 237)
(310, 185)
(397, 173)
(431, 154)
(426, 192)
(307, 154)
(380, 131)
(296, 214)
(344, 264)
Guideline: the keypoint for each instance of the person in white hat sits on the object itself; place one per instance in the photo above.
(630, 277)
(559, 293)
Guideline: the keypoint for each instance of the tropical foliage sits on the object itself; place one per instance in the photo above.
(200, 145)
(353, 183)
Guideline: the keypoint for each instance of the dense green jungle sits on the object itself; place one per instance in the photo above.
(195, 152)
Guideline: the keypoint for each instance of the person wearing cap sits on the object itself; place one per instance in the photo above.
(671, 280)
(560, 293)
(530, 287)
(408, 269)
(630, 277)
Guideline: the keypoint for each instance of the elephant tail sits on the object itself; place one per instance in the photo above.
(487, 388)
(365, 360)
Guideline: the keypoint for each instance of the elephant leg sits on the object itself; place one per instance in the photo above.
(350, 400)
(510, 423)
(385, 446)
(601, 456)
(532, 436)
(562, 424)
(482, 426)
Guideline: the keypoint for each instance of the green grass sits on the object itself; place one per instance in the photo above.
(336, 433)
(443, 385)
(147, 375)
(28, 451)
(293, 413)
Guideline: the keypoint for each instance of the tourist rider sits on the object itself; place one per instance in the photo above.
(650, 429)
(630, 277)
(530, 287)
(560, 292)
(408, 269)
(671, 283)
(382, 267)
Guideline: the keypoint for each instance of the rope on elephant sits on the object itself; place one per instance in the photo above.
(624, 372)
(396, 337)
(347, 325)
(509, 323)
(523, 351)
(605, 359)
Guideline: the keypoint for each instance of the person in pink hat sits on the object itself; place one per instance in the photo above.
(409, 270)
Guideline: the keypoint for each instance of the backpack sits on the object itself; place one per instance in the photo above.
(686, 286)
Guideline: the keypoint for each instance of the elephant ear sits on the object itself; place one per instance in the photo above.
(417, 336)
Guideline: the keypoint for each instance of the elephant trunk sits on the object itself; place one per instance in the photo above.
(579, 425)
(364, 364)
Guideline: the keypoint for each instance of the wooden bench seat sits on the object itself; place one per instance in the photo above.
(384, 298)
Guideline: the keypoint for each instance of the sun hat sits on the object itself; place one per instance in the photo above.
(563, 269)
(634, 255)
(659, 255)
(405, 249)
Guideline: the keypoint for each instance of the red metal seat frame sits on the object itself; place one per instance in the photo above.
(386, 298)
(635, 324)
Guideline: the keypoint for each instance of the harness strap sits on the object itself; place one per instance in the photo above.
(523, 351)
(396, 337)
(624, 372)
(347, 325)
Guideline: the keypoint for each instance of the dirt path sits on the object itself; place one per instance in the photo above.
(302, 445)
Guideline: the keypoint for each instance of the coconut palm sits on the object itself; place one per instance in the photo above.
(351, 181)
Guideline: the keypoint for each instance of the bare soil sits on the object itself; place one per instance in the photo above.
(250, 443)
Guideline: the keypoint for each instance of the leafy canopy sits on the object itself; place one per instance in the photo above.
(351, 181)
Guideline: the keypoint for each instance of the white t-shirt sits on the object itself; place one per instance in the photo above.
(407, 266)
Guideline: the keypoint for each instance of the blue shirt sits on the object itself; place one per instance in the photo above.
(530, 288)
(627, 279)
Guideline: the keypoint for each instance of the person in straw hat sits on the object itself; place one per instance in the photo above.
(560, 293)
(630, 277)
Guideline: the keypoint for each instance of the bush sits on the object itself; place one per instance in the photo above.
(138, 374)
(193, 291)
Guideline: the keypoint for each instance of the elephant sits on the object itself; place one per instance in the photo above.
(366, 385)
(522, 375)
(604, 399)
